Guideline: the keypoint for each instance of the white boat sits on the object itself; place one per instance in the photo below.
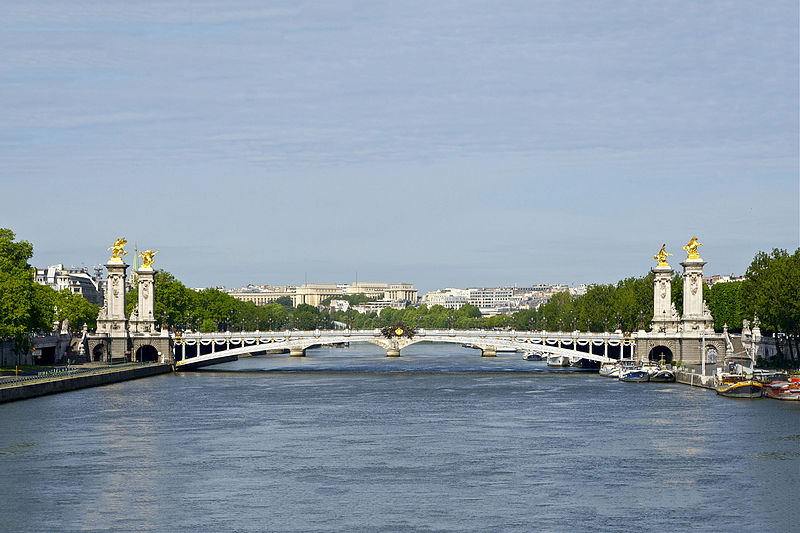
(558, 360)
(635, 374)
(610, 370)
(651, 367)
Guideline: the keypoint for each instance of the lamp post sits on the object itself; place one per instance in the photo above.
(703, 352)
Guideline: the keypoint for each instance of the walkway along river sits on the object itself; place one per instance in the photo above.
(346, 440)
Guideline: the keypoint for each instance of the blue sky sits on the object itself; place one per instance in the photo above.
(439, 143)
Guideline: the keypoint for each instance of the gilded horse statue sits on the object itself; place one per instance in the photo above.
(118, 249)
(147, 258)
(691, 248)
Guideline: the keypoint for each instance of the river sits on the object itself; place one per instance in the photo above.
(438, 440)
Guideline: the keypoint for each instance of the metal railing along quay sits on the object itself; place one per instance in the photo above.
(64, 372)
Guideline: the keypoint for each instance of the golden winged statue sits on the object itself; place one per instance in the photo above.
(661, 256)
(118, 250)
(147, 258)
(691, 248)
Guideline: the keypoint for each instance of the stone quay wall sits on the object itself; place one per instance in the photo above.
(24, 391)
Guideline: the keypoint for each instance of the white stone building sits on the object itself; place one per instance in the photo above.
(448, 298)
(75, 280)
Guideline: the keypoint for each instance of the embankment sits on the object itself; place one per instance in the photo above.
(23, 391)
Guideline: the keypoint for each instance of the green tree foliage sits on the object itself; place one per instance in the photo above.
(74, 308)
(771, 290)
(626, 305)
(677, 292)
(16, 288)
(306, 317)
(726, 303)
(174, 303)
(25, 308)
(285, 301)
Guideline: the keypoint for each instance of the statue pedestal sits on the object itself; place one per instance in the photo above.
(114, 323)
(696, 316)
(665, 318)
(144, 321)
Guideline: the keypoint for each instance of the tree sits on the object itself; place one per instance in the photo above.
(74, 308)
(771, 290)
(285, 301)
(305, 317)
(20, 311)
(726, 305)
(470, 311)
(173, 301)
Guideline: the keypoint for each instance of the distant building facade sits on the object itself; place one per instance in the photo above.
(315, 293)
(75, 280)
(261, 295)
(448, 298)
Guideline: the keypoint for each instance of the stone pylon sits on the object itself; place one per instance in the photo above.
(143, 320)
(696, 316)
(665, 319)
(112, 320)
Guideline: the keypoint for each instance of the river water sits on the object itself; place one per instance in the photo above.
(438, 440)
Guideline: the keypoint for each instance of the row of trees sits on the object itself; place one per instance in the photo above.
(27, 307)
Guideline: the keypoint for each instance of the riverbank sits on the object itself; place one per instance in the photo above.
(104, 375)
(694, 379)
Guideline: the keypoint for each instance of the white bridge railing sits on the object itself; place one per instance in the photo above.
(225, 346)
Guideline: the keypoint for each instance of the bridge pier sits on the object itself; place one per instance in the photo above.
(489, 351)
(392, 352)
(297, 352)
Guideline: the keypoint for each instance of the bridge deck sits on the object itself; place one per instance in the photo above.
(228, 346)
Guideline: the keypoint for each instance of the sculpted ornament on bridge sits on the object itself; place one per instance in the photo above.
(399, 330)
(691, 248)
(118, 250)
(661, 256)
(147, 259)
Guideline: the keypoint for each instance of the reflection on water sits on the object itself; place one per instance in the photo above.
(437, 440)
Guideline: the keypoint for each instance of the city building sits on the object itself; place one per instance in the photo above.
(339, 305)
(492, 300)
(261, 295)
(378, 305)
(315, 293)
(402, 292)
(712, 280)
(370, 289)
(448, 298)
(75, 280)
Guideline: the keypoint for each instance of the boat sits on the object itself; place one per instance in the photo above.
(586, 364)
(663, 375)
(635, 375)
(610, 370)
(557, 360)
(783, 390)
(651, 367)
(532, 356)
(739, 386)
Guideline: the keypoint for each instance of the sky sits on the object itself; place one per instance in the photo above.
(445, 144)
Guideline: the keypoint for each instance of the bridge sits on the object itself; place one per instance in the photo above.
(194, 350)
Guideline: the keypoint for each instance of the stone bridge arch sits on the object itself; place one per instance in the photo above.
(228, 347)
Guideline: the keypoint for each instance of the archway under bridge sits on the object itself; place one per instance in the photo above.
(146, 354)
(661, 352)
